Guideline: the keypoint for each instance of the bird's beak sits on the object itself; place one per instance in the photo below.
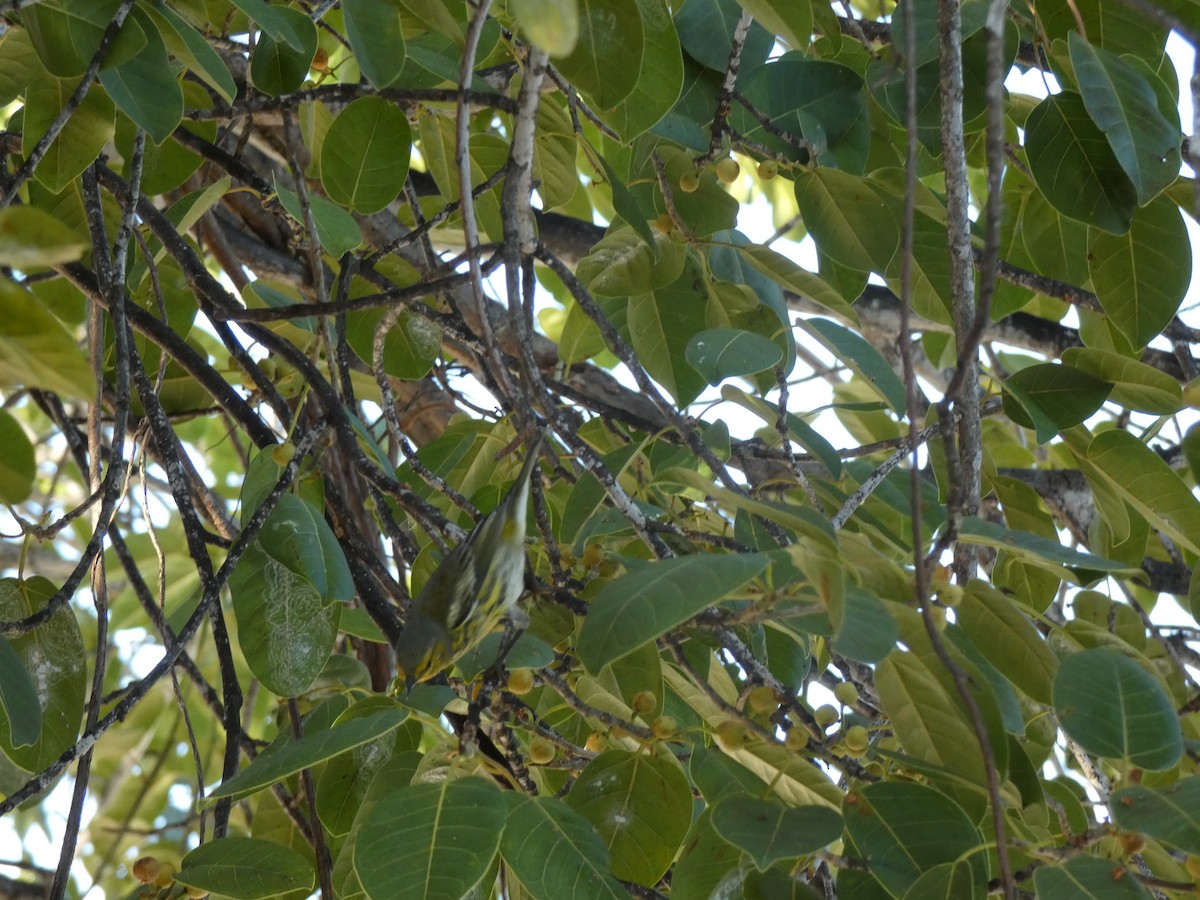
(409, 681)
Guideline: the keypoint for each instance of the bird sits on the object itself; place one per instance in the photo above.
(473, 589)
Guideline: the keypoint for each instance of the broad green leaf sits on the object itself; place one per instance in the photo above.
(906, 829)
(1036, 549)
(848, 219)
(365, 156)
(335, 227)
(867, 632)
(607, 59)
(706, 858)
(246, 868)
(627, 208)
(769, 831)
(706, 30)
(948, 881)
(551, 24)
(1074, 166)
(373, 29)
(282, 57)
(641, 805)
(1169, 813)
(297, 535)
(430, 840)
(797, 279)
(409, 349)
(721, 353)
(290, 755)
(82, 139)
(1051, 398)
(653, 599)
(279, 22)
(67, 34)
(189, 45)
(145, 87)
(1142, 275)
(1135, 384)
(36, 351)
(623, 264)
(19, 704)
(1114, 708)
(1089, 878)
(18, 63)
(30, 237)
(53, 656)
(799, 430)
(1148, 484)
(793, 779)
(659, 81)
(1124, 105)
(792, 20)
(1011, 643)
(554, 149)
(862, 358)
(660, 325)
(18, 466)
(555, 851)
(1056, 244)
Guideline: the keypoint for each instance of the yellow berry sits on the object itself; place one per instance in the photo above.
(281, 454)
(846, 693)
(593, 555)
(541, 751)
(730, 736)
(166, 875)
(1191, 865)
(797, 740)
(520, 681)
(856, 739)
(664, 223)
(596, 742)
(768, 169)
(145, 869)
(762, 699)
(826, 715)
(951, 596)
(663, 727)
(728, 170)
(689, 181)
(644, 703)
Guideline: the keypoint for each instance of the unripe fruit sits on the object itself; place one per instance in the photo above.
(541, 751)
(281, 454)
(664, 223)
(939, 617)
(768, 169)
(846, 693)
(856, 739)
(145, 869)
(951, 596)
(166, 875)
(644, 703)
(689, 181)
(664, 727)
(320, 62)
(728, 170)
(596, 742)
(1191, 865)
(1131, 842)
(730, 736)
(593, 555)
(797, 740)
(826, 715)
(762, 699)
(520, 681)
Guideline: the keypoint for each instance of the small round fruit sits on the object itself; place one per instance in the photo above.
(762, 699)
(856, 739)
(728, 170)
(1191, 865)
(541, 751)
(145, 869)
(644, 703)
(951, 596)
(689, 181)
(664, 727)
(281, 454)
(826, 715)
(166, 875)
(1131, 842)
(520, 681)
(768, 169)
(730, 736)
(939, 617)
(846, 693)
(797, 740)
(596, 742)
(593, 555)
(664, 223)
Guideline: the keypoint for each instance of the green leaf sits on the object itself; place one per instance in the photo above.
(430, 840)
(769, 831)
(409, 348)
(660, 79)
(18, 63)
(627, 208)
(36, 351)
(1074, 166)
(1135, 384)
(660, 325)
(1142, 275)
(552, 25)
(706, 30)
(67, 34)
(607, 58)
(1051, 398)
(1009, 640)
(555, 851)
(282, 57)
(799, 430)
(792, 20)
(145, 87)
(373, 29)
(281, 24)
(948, 881)
(848, 219)
(30, 237)
(641, 806)
(1124, 105)
(289, 755)
(19, 702)
(798, 280)
(622, 263)
(246, 868)
(1114, 708)
(721, 353)
(18, 466)
(653, 599)
(1169, 813)
(862, 358)
(336, 228)
(82, 139)
(1089, 878)
(867, 632)
(1149, 485)
(906, 829)
(53, 655)
(1036, 549)
(189, 45)
(365, 155)
(706, 858)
